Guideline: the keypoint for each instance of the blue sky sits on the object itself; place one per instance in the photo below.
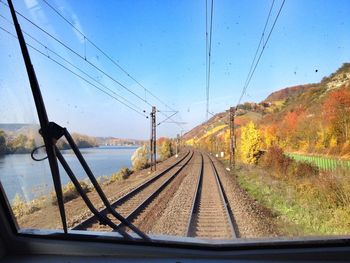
(162, 45)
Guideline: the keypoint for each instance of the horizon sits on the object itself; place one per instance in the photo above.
(211, 116)
(162, 45)
(224, 110)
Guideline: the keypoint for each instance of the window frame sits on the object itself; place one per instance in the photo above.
(54, 242)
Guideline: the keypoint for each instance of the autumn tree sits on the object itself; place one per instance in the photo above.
(21, 144)
(250, 143)
(336, 110)
(270, 137)
(166, 149)
(2, 142)
(84, 141)
(139, 159)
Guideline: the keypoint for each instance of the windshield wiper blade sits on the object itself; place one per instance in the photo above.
(57, 132)
(51, 132)
(42, 115)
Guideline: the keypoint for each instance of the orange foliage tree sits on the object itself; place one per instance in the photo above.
(336, 110)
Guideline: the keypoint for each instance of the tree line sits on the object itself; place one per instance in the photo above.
(22, 143)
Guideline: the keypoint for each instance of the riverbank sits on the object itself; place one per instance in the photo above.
(21, 175)
(47, 217)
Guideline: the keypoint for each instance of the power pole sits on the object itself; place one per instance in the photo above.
(232, 137)
(177, 144)
(153, 141)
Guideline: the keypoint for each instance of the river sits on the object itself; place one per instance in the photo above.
(19, 174)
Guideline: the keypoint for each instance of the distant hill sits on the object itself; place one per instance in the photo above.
(31, 130)
(12, 127)
(289, 92)
(297, 105)
(14, 130)
(118, 141)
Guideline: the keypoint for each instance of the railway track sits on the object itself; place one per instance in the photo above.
(134, 202)
(205, 211)
(151, 216)
(211, 216)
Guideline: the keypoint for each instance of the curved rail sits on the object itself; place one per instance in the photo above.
(223, 195)
(213, 227)
(227, 203)
(195, 204)
(132, 215)
(91, 220)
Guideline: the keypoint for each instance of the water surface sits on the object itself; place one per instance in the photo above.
(31, 179)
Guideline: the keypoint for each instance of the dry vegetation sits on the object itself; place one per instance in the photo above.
(306, 200)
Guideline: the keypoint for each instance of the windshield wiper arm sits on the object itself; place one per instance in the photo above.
(51, 132)
(57, 132)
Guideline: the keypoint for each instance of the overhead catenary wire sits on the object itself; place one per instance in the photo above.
(76, 67)
(106, 55)
(76, 74)
(259, 45)
(250, 75)
(82, 57)
(163, 121)
(87, 61)
(208, 47)
(206, 55)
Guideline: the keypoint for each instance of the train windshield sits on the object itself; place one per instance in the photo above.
(206, 121)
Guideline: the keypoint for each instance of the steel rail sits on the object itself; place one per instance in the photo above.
(153, 195)
(84, 224)
(227, 207)
(196, 199)
(191, 228)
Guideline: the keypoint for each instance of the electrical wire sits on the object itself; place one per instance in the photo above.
(206, 55)
(80, 56)
(76, 74)
(89, 62)
(209, 56)
(76, 67)
(258, 47)
(107, 56)
(163, 121)
(250, 76)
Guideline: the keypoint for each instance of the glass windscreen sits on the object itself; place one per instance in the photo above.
(205, 120)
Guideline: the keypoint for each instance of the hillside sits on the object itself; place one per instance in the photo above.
(12, 127)
(283, 94)
(309, 118)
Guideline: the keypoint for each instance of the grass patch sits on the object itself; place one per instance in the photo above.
(300, 205)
